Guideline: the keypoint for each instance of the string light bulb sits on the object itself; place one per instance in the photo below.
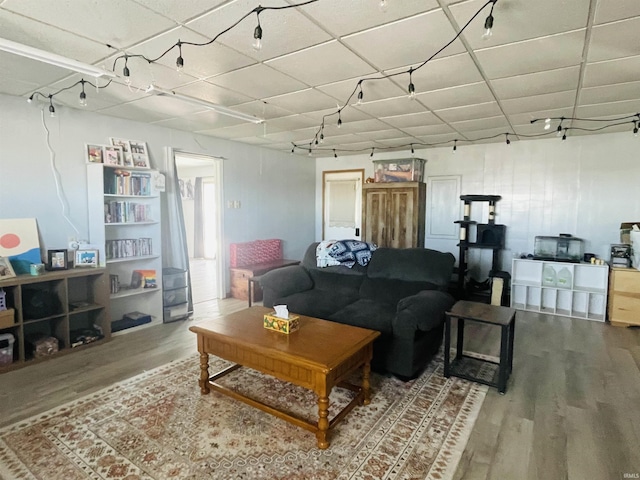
(455, 145)
(179, 60)
(383, 5)
(52, 109)
(413, 152)
(360, 97)
(309, 151)
(507, 141)
(125, 71)
(559, 129)
(321, 137)
(257, 33)
(339, 119)
(412, 88)
(635, 128)
(564, 135)
(30, 99)
(83, 95)
(335, 155)
(373, 149)
(488, 23)
(547, 124)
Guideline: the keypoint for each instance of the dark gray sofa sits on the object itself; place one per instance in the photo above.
(401, 293)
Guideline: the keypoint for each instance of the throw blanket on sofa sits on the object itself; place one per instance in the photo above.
(344, 252)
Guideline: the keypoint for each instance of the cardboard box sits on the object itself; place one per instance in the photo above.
(625, 231)
(282, 325)
(7, 318)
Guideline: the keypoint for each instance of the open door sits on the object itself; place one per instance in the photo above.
(342, 204)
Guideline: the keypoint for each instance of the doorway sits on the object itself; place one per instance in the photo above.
(342, 204)
(200, 183)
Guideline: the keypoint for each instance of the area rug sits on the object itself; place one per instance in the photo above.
(158, 426)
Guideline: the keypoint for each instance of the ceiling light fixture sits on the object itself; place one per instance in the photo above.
(53, 59)
(153, 90)
(488, 23)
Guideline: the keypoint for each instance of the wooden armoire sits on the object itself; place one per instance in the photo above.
(393, 214)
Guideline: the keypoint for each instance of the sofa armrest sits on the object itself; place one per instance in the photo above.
(422, 311)
(282, 282)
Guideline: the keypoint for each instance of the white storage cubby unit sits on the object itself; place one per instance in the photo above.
(124, 221)
(584, 295)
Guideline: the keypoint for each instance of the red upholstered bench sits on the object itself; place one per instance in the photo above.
(252, 259)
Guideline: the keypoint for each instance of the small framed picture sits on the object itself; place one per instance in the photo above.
(113, 155)
(127, 159)
(139, 154)
(57, 260)
(94, 153)
(6, 270)
(86, 258)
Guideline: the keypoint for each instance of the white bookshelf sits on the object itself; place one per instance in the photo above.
(137, 235)
(585, 296)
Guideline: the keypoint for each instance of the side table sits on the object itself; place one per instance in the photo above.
(462, 364)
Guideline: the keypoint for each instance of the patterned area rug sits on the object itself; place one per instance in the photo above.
(158, 426)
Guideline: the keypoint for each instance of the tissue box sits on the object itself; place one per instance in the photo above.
(282, 325)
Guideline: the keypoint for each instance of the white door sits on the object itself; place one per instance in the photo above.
(342, 204)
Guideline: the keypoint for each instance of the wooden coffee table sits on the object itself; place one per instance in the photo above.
(319, 356)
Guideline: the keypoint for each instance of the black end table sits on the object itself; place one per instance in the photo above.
(463, 365)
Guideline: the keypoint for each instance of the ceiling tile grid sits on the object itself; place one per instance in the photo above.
(535, 64)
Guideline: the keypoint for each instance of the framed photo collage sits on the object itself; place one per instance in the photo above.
(121, 153)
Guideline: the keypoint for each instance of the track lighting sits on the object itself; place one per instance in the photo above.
(412, 88)
(488, 23)
(180, 60)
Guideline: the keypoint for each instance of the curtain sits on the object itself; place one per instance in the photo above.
(174, 235)
(198, 234)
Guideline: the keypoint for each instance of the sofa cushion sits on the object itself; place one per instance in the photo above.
(316, 303)
(367, 313)
(336, 282)
(412, 264)
(391, 291)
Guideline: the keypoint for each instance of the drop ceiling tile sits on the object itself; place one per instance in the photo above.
(13, 86)
(440, 73)
(609, 93)
(302, 101)
(517, 21)
(330, 116)
(363, 14)
(262, 110)
(386, 47)
(180, 11)
(254, 140)
(539, 102)
(391, 106)
(258, 81)
(427, 130)
(172, 107)
(100, 21)
(378, 89)
(548, 81)
(199, 61)
(213, 93)
(30, 72)
(470, 112)
(545, 53)
(612, 10)
(283, 31)
(350, 138)
(133, 111)
(614, 40)
(292, 122)
(456, 96)
(379, 134)
(412, 120)
(481, 124)
(33, 33)
(621, 70)
(304, 135)
(628, 107)
(491, 135)
(199, 121)
(321, 64)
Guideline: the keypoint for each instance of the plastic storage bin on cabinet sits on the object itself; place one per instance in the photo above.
(580, 290)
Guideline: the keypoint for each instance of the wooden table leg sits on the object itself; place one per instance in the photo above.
(204, 373)
(323, 422)
(366, 386)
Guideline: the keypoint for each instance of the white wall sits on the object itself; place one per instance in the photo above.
(585, 186)
(274, 188)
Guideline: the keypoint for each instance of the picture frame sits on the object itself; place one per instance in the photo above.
(94, 153)
(139, 154)
(127, 158)
(6, 270)
(113, 155)
(86, 258)
(57, 260)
